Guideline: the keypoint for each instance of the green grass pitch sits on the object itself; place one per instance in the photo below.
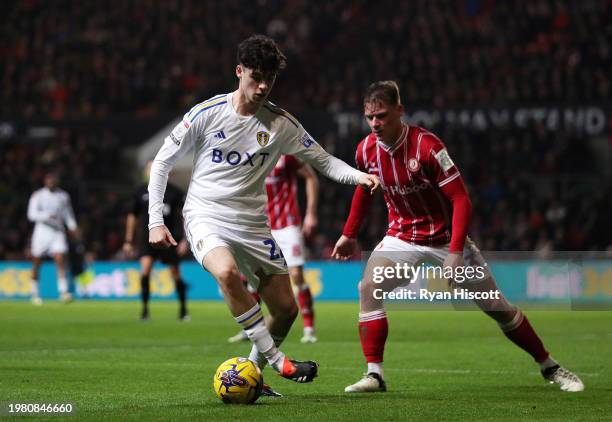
(439, 365)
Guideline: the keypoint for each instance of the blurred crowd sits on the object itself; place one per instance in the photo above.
(531, 189)
(70, 58)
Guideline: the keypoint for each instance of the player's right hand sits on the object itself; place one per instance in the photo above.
(345, 248)
(369, 182)
(160, 237)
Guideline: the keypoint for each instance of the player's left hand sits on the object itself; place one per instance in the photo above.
(344, 248)
(369, 182)
(310, 224)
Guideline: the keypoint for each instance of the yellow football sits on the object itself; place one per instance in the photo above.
(238, 381)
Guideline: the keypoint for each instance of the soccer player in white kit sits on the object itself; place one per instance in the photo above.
(50, 209)
(238, 138)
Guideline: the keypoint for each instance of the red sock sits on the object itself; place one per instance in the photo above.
(526, 338)
(306, 309)
(373, 330)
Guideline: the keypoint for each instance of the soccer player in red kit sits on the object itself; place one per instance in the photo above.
(429, 213)
(288, 230)
(284, 215)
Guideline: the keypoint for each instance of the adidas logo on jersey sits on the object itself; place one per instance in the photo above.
(219, 135)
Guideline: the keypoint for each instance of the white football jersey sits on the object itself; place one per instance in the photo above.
(233, 155)
(51, 208)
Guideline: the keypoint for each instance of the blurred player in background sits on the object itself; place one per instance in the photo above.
(50, 210)
(238, 138)
(429, 213)
(172, 206)
(289, 232)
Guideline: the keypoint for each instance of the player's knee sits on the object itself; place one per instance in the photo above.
(229, 278)
(365, 287)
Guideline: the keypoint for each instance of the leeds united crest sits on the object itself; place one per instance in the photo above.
(263, 138)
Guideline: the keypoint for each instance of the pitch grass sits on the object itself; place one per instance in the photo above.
(439, 365)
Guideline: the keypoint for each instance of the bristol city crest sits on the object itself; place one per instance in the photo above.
(413, 165)
(263, 138)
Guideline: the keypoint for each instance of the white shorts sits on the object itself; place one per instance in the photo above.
(400, 251)
(291, 242)
(47, 240)
(255, 250)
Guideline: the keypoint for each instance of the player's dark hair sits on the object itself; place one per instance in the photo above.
(383, 91)
(259, 52)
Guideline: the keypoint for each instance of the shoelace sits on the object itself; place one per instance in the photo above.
(562, 372)
(368, 376)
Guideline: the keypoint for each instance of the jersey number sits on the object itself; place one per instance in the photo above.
(272, 245)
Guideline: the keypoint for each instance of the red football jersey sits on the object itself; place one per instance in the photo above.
(411, 175)
(281, 186)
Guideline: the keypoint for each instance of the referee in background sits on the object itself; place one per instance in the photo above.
(139, 214)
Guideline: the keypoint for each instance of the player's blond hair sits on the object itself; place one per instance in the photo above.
(383, 91)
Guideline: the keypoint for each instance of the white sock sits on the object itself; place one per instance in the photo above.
(376, 367)
(34, 288)
(62, 285)
(253, 323)
(309, 331)
(548, 363)
(258, 358)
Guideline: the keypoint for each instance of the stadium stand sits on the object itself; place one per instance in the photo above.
(533, 188)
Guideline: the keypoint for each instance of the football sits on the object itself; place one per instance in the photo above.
(238, 381)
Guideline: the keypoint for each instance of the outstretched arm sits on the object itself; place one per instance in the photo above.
(307, 149)
(338, 170)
